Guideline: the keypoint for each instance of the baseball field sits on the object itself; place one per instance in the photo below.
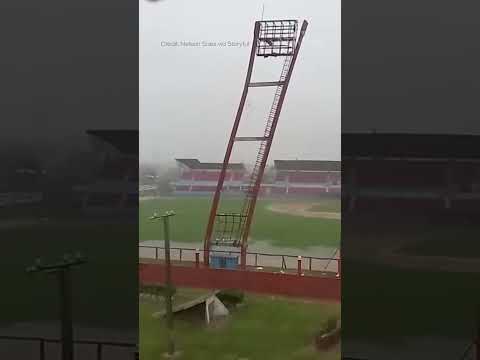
(286, 326)
(23, 243)
(298, 224)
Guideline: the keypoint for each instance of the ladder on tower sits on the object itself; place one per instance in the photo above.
(272, 38)
(257, 172)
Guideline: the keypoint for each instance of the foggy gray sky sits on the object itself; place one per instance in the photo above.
(189, 94)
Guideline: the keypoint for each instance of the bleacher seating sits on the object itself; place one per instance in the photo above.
(304, 177)
(196, 176)
(186, 175)
(405, 174)
(238, 176)
(309, 177)
(206, 175)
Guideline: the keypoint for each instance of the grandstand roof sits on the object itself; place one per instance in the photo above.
(411, 145)
(125, 141)
(197, 165)
(308, 165)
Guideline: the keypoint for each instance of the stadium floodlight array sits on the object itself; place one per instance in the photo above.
(271, 38)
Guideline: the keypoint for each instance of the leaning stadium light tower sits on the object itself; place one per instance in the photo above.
(271, 38)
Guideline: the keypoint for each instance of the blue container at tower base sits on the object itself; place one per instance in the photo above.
(223, 261)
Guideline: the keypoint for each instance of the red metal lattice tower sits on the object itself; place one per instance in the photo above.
(271, 38)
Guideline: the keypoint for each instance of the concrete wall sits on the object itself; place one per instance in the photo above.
(317, 287)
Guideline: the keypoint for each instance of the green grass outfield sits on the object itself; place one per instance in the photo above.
(438, 241)
(99, 295)
(265, 328)
(385, 302)
(280, 230)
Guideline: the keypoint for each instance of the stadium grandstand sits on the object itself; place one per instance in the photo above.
(291, 177)
(148, 190)
(412, 170)
(148, 180)
(117, 174)
(197, 177)
(21, 178)
(306, 177)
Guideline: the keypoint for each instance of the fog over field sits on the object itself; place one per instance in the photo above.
(193, 62)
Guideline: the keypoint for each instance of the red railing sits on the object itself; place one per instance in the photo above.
(254, 259)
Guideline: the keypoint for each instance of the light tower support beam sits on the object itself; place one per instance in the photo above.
(271, 38)
(228, 153)
(269, 141)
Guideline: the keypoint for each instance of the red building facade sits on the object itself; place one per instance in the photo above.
(116, 176)
(412, 171)
(291, 177)
(306, 177)
(197, 177)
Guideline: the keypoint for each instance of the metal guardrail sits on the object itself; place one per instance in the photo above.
(99, 345)
(310, 263)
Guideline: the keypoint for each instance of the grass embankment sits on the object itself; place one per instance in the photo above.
(264, 328)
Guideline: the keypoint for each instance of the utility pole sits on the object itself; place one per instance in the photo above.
(63, 271)
(169, 289)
